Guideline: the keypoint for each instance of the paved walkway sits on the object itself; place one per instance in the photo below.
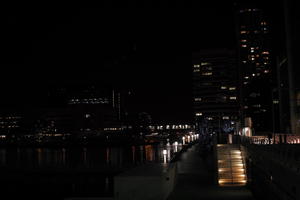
(195, 180)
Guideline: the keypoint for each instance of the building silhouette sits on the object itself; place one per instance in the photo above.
(256, 70)
(215, 91)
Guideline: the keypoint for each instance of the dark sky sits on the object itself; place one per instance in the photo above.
(145, 50)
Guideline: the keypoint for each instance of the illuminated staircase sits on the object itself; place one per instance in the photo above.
(231, 168)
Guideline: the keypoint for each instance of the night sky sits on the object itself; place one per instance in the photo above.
(147, 51)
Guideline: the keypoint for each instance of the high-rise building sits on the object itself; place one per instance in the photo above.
(256, 73)
(287, 29)
(215, 91)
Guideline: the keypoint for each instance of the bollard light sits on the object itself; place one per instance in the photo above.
(165, 155)
(164, 152)
(176, 146)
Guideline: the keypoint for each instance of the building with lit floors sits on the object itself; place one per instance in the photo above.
(256, 70)
(215, 91)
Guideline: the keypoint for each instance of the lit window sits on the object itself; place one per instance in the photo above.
(243, 32)
(198, 99)
(232, 88)
(266, 71)
(265, 53)
(223, 87)
(199, 114)
(205, 63)
(209, 118)
(196, 66)
(246, 77)
(225, 117)
(263, 23)
(196, 70)
(243, 40)
(275, 101)
(244, 45)
(244, 61)
(257, 106)
(232, 98)
(207, 73)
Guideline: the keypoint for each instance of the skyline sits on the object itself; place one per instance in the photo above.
(147, 55)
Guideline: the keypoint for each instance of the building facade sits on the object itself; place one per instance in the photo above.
(256, 70)
(215, 91)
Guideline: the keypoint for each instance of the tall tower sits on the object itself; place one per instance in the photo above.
(255, 68)
(215, 90)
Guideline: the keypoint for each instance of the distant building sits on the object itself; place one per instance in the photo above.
(9, 124)
(215, 90)
(81, 109)
(256, 70)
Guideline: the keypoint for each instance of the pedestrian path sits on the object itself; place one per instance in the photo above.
(196, 180)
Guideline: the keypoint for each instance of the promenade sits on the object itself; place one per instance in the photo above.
(195, 180)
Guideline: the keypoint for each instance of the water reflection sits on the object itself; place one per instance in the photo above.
(85, 157)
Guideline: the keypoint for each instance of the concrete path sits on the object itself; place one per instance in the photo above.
(195, 180)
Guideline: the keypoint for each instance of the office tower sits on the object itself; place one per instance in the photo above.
(215, 91)
(256, 73)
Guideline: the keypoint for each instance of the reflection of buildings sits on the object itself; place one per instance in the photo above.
(215, 89)
(255, 68)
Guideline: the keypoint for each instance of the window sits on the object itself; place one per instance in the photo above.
(196, 66)
(205, 63)
(225, 117)
(198, 99)
(232, 88)
(196, 70)
(223, 87)
(232, 98)
(199, 114)
(207, 73)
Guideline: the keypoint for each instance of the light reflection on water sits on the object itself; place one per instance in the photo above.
(85, 157)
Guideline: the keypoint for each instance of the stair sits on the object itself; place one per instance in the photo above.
(231, 168)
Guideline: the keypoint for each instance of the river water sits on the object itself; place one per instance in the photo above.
(56, 173)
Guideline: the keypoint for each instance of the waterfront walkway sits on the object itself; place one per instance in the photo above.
(196, 181)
